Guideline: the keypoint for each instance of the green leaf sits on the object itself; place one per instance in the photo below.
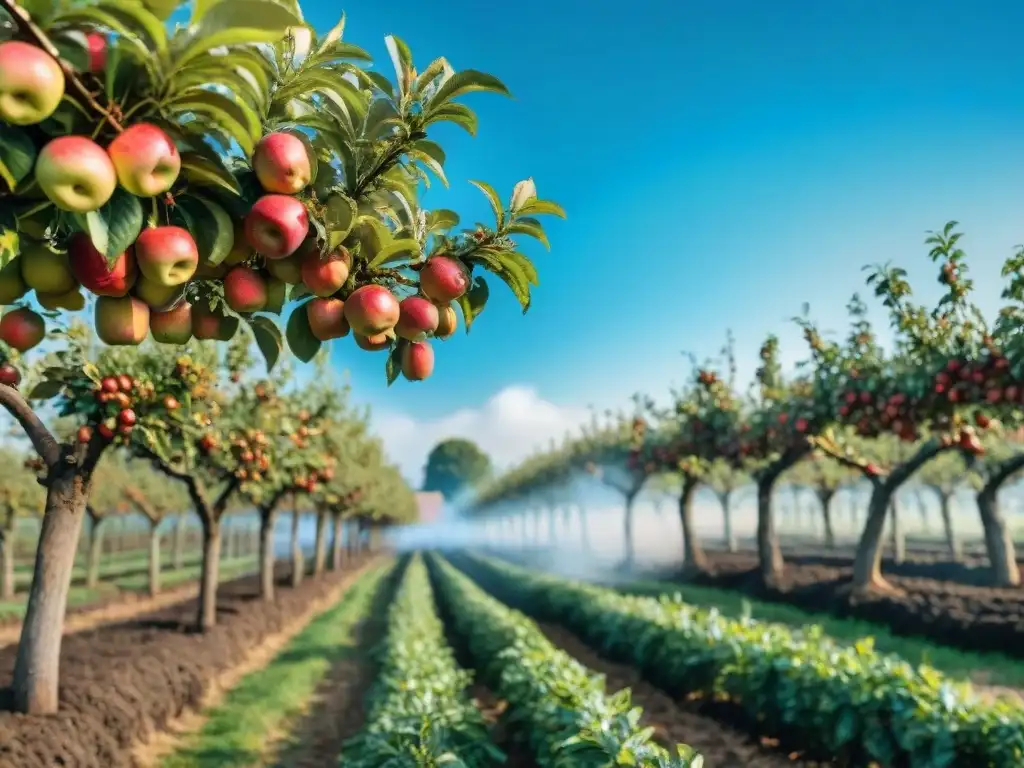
(339, 218)
(531, 227)
(541, 207)
(10, 242)
(74, 48)
(395, 251)
(393, 367)
(301, 341)
(493, 198)
(441, 219)
(432, 156)
(268, 338)
(115, 226)
(514, 269)
(233, 117)
(232, 36)
(211, 226)
(473, 301)
(299, 291)
(459, 114)
(17, 155)
(129, 29)
(202, 171)
(46, 389)
(468, 81)
(334, 35)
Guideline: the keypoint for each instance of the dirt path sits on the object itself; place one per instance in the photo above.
(721, 746)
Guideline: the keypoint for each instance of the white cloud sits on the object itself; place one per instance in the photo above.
(508, 427)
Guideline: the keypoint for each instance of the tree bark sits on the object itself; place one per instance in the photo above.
(337, 543)
(178, 547)
(694, 559)
(268, 517)
(825, 496)
(725, 499)
(92, 563)
(952, 540)
(769, 552)
(898, 539)
(1002, 554)
(154, 558)
(320, 549)
(208, 582)
(298, 561)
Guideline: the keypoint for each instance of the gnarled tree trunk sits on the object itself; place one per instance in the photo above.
(998, 539)
(154, 558)
(298, 561)
(92, 563)
(769, 553)
(320, 547)
(694, 559)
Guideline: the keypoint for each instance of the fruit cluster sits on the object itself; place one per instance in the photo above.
(248, 449)
(117, 395)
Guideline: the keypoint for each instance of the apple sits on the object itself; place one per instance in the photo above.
(282, 164)
(443, 279)
(325, 275)
(22, 329)
(121, 322)
(212, 324)
(276, 226)
(9, 375)
(287, 270)
(417, 318)
(97, 44)
(371, 310)
(417, 361)
(72, 300)
(240, 251)
(31, 83)
(166, 255)
(157, 297)
(245, 290)
(447, 322)
(371, 343)
(327, 318)
(173, 326)
(92, 270)
(145, 159)
(12, 285)
(46, 271)
(76, 174)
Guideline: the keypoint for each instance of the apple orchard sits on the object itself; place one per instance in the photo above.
(197, 184)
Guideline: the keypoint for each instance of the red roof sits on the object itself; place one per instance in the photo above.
(430, 504)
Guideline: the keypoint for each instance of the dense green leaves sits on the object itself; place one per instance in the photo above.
(114, 227)
(301, 341)
(17, 155)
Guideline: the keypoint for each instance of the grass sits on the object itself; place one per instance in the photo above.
(990, 668)
(112, 565)
(240, 731)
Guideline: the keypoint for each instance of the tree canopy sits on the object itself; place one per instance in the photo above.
(455, 465)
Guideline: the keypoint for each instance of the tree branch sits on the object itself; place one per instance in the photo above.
(925, 453)
(225, 496)
(134, 495)
(43, 441)
(1003, 472)
(163, 465)
(831, 451)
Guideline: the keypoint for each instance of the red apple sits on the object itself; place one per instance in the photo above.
(145, 159)
(84, 434)
(173, 326)
(447, 322)
(443, 279)
(372, 310)
(324, 275)
(97, 52)
(121, 322)
(91, 269)
(276, 225)
(212, 324)
(417, 318)
(31, 83)
(76, 174)
(327, 318)
(245, 290)
(371, 343)
(282, 164)
(417, 361)
(22, 329)
(168, 256)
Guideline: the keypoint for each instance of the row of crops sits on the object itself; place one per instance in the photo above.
(848, 705)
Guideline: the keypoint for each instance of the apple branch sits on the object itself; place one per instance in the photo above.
(1003, 472)
(43, 441)
(33, 32)
(140, 503)
(900, 474)
(830, 449)
(225, 496)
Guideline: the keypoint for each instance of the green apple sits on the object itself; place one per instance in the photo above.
(12, 285)
(31, 83)
(76, 174)
(46, 271)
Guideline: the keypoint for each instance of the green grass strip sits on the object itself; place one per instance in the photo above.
(236, 731)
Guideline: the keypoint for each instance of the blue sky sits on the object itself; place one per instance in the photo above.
(720, 163)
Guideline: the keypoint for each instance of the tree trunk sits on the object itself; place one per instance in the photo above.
(320, 550)
(37, 669)
(1002, 554)
(207, 617)
(825, 497)
(178, 553)
(298, 562)
(7, 558)
(952, 541)
(898, 540)
(337, 543)
(267, 519)
(768, 551)
(694, 559)
(92, 567)
(154, 558)
(627, 531)
(725, 499)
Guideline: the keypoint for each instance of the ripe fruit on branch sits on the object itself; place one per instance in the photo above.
(171, 403)
(371, 343)
(282, 164)
(31, 83)
(22, 329)
(159, 298)
(97, 44)
(327, 318)
(245, 290)
(324, 275)
(173, 326)
(418, 317)
(167, 256)
(12, 284)
(90, 268)
(72, 300)
(84, 435)
(76, 174)
(106, 431)
(276, 226)
(211, 324)
(46, 271)
(417, 360)
(110, 385)
(145, 159)
(127, 418)
(443, 279)
(121, 321)
(447, 322)
(9, 375)
(372, 310)
(125, 383)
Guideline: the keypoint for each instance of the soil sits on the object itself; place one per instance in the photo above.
(679, 723)
(121, 682)
(967, 616)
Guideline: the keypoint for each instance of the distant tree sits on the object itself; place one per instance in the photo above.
(455, 465)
